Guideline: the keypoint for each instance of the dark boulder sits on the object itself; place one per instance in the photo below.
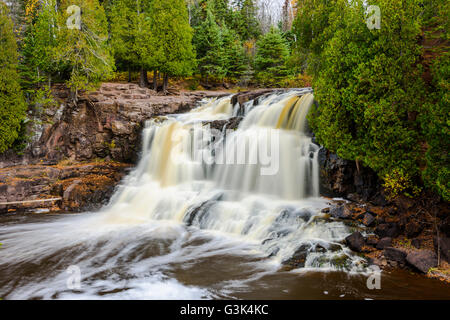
(395, 254)
(387, 230)
(341, 212)
(343, 178)
(298, 259)
(413, 229)
(355, 241)
(368, 219)
(444, 247)
(230, 124)
(384, 243)
(372, 241)
(422, 260)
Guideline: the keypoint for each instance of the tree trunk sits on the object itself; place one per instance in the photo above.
(143, 80)
(129, 74)
(155, 80)
(166, 82)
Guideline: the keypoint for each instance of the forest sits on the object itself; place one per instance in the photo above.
(382, 93)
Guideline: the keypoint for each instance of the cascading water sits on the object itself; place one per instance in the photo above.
(249, 195)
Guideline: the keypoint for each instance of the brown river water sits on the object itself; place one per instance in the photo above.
(161, 273)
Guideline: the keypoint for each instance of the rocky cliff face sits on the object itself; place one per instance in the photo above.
(80, 151)
(107, 123)
(76, 187)
(343, 178)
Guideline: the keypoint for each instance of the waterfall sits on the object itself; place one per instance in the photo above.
(259, 182)
(197, 193)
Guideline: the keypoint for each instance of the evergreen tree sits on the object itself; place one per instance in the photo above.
(245, 20)
(121, 15)
(12, 104)
(172, 38)
(314, 25)
(271, 56)
(130, 35)
(222, 11)
(235, 62)
(369, 87)
(210, 52)
(84, 52)
(39, 46)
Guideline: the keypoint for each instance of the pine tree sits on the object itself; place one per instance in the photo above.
(39, 45)
(172, 38)
(235, 62)
(271, 56)
(12, 104)
(210, 52)
(122, 36)
(84, 52)
(245, 20)
(131, 37)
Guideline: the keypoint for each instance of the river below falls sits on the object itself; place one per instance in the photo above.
(136, 263)
(206, 214)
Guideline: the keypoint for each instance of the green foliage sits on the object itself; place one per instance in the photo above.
(313, 27)
(437, 130)
(208, 44)
(235, 59)
(397, 182)
(271, 56)
(84, 53)
(369, 88)
(245, 21)
(172, 34)
(38, 50)
(12, 104)
(130, 33)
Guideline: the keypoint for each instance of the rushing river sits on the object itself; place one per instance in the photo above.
(206, 214)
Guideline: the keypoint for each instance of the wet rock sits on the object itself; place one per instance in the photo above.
(341, 212)
(422, 260)
(368, 219)
(394, 254)
(384, 243)
(372, 241)
(354, 197)
(341, 178)
(299, 257)
(243, 97)
(230, 124)
(413, 229)
(355, 241)
(387, 230)
(443, 244)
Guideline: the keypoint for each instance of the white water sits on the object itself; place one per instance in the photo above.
(175, 209)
